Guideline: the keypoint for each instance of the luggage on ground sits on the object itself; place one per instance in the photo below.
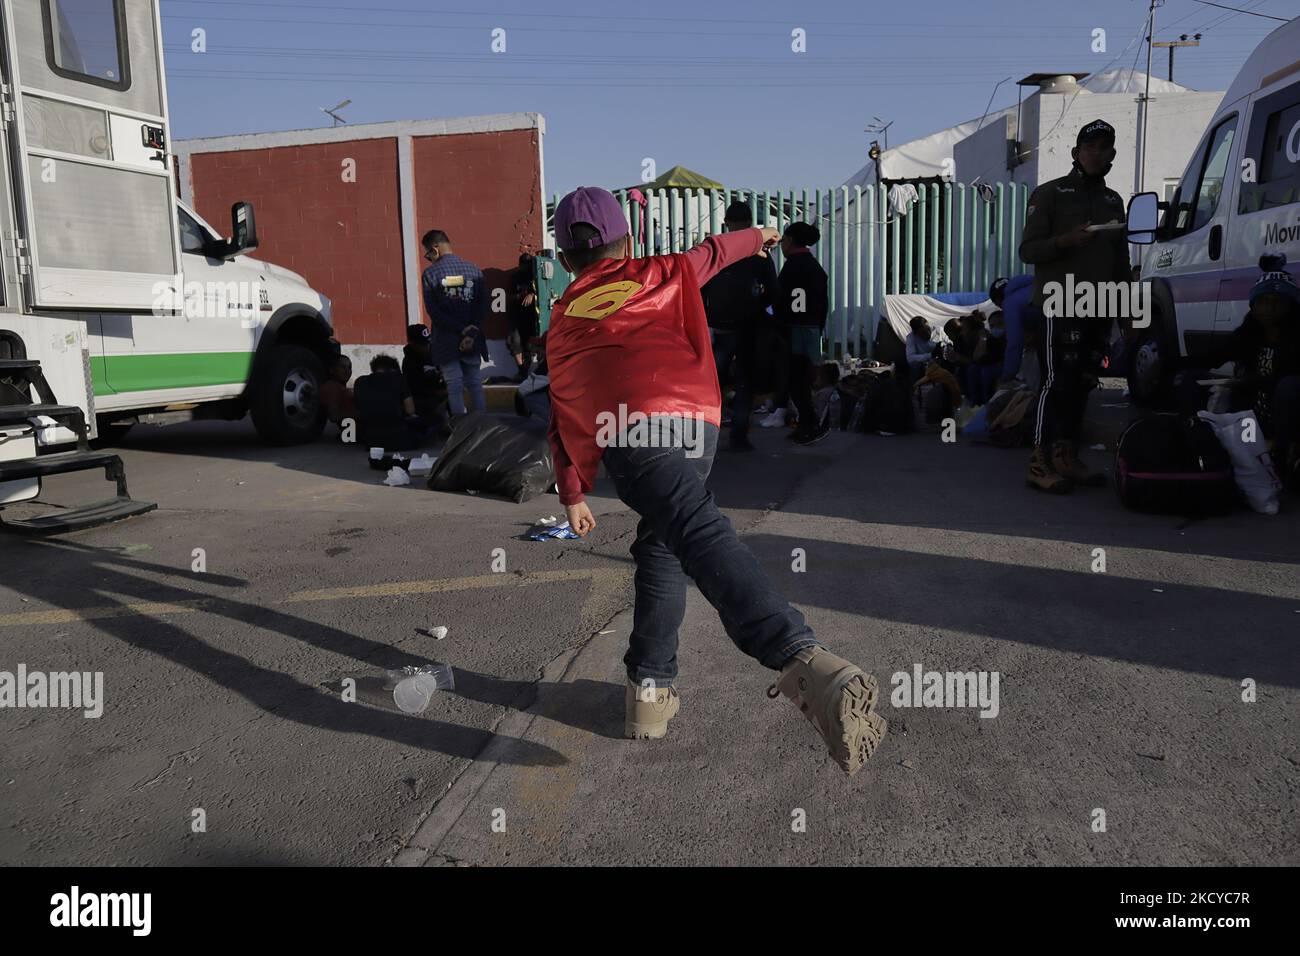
(1169, 463)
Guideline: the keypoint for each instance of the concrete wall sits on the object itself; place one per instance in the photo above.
(1174, 127)
(346, 207)
(1051, 121)
(983, 154)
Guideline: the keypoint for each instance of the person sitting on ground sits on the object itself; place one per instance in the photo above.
(335, 396)
(385, 409)
(824, 384)
(424, 378)
(920, 348)
(986, 370)
(1266, 348)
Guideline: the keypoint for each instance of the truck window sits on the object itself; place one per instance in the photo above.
(1197, 196)
(193, 238)
(86, 40)
(1211, 185)
(1275, 146)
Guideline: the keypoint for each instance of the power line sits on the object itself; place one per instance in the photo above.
(1252, 13)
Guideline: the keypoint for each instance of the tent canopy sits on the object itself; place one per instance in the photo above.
(679, 177)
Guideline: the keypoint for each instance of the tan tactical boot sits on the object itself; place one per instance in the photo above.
(837, 697)
(1043, 476)
(649, 710)
(1066, 463)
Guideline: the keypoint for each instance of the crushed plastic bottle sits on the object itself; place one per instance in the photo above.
(414, 687)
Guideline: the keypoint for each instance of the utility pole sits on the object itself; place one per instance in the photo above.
(1146, 96)
(1172, 44)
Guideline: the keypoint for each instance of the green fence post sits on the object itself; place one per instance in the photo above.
(909, 229)
(933, 285)
(857, 271)
(959, 256)
(947, 237)
(1004, 237)
(895, 243)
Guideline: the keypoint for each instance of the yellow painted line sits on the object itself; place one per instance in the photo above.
(399, 588)
(151, 608)
(387, 589)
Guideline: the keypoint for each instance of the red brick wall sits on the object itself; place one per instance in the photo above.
(344, 238)
(482, 189)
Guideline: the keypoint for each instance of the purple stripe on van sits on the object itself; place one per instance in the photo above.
(1222, 285)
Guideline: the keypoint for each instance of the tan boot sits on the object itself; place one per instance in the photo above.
(1043, 476)
(1066, 463)
(649, 710)
(837, 697)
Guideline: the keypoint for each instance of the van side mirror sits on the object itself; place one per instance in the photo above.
(1143, 218)
(243, 232)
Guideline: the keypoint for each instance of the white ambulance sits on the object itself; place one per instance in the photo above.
(117, 303)
(1238, 200)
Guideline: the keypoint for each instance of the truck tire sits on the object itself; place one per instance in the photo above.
(284, 397)
(1150, 380)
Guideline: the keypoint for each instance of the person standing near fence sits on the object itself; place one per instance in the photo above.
(456, 299)
(736, 302)
(801, 309)
(1067, 253)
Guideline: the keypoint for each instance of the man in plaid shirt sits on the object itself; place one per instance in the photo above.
(456, 299)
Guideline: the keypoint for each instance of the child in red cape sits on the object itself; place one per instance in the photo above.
(633, 384)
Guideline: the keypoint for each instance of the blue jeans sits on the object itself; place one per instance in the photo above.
(683, 534)
(460, 375)
(726, 346)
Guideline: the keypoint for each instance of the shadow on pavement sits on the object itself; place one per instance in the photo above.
(114, 588)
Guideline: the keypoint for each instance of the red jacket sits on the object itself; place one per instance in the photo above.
(633, 332)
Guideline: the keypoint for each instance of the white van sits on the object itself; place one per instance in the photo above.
(1238, 200)
(117, 303)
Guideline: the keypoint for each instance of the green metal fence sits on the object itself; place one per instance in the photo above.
(951, 238)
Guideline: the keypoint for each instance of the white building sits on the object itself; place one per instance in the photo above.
(1030, 143)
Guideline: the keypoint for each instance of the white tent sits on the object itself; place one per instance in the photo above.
(923, 158)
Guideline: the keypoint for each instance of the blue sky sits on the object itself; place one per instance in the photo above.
(715, 87)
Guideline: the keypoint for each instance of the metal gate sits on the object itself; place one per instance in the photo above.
(933, 237)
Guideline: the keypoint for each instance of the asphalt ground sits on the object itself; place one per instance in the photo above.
(1119, 691)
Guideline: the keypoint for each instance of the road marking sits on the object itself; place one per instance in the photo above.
(398, 588)
(597, 576)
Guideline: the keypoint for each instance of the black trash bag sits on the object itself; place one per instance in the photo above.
(508, 458)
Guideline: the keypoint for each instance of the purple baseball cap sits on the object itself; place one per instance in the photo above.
(594, 207)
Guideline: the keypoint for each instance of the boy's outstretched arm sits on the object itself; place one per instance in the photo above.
(569, 484)
(717, 252)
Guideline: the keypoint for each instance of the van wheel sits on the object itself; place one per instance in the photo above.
(285, 396)
(1146, 371)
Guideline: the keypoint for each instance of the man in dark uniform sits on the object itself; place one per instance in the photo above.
(736, 302)
(1059, 243)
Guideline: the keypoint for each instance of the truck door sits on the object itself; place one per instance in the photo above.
(90, 138)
